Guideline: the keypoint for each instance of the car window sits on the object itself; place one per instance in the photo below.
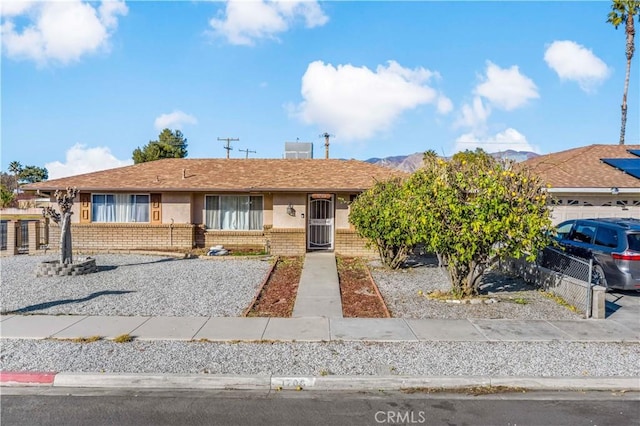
(583, 233)
(634, 241)
(563, 230)
(606, 237)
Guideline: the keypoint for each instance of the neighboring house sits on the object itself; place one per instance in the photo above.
(592, 181)
(285, 206)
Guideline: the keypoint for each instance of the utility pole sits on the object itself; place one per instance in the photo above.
(326, 137)
(246, 151)
(228, 146)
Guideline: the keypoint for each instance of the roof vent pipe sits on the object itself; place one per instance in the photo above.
(184, 173)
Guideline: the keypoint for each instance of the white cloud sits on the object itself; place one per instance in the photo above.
(14, 7)
(509, 139)
(475, 115)
(356, 102)
(572, 61)
(174, 120)
(58, 31)
(80, 159)
(444, 105)
(506, 88)
(243, 22)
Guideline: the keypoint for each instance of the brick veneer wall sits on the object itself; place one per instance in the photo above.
(236, 240)
(349, 243)
(287, 241)
(122, 236)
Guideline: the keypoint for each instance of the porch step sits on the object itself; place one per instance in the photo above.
(319, 288)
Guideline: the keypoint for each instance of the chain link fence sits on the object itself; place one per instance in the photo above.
(559, 273)
(559, 261)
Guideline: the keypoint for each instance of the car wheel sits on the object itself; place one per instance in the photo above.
(598, 277)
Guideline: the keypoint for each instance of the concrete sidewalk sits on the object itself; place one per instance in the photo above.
(312, 329)
(319, 288)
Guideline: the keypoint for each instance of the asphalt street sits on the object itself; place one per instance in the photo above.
(73, 406)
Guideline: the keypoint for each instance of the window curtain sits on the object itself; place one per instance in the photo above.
(234, 212)
(141, 208)
(104, 209)
(124, 208)
(120, 208)
(255, 213)
(231, 212)
(212, 212)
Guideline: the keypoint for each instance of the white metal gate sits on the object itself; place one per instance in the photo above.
(320, 225)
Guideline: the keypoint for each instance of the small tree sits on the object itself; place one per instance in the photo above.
(7, 197)
(380, 216)
(33, 174)
(65, 202)
(169, 145)
(474, 211)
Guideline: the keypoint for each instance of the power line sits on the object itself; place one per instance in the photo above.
(246, 151)
(228, 145)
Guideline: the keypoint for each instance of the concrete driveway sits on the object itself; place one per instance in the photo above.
(624, 307)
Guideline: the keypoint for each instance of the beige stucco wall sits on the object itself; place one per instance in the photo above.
(75, 217)
(342, 211)
(267, 219)
(280, 217)
(197, 210)
(176, 206)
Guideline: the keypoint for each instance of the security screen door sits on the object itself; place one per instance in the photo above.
(320, 222)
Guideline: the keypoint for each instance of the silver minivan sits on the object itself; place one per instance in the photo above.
(614, 245)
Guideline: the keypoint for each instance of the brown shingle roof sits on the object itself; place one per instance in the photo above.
(582, 168)
(240, 175)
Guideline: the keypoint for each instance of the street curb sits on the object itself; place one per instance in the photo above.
(312, 383)
(8, 378)
(159, 380)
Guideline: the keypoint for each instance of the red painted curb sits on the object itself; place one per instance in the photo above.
(26, 377)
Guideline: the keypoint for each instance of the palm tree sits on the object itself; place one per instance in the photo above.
(624, 11)
(15, 167)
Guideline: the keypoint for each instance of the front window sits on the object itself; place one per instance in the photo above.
(120, 208)
(233, 212)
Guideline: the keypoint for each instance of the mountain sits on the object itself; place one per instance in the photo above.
(410, 163)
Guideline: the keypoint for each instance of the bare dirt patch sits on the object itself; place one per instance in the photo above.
(360, 295)
(277, 297)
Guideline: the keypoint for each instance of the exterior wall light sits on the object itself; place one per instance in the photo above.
(290, 210)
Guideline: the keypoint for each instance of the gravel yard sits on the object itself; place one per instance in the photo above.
(158, 285)
(545, 359)
(134, 285)
(404, 293)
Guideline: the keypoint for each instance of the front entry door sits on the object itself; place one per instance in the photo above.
(320, 222)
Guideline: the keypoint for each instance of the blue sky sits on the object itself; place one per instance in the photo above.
(85, 83)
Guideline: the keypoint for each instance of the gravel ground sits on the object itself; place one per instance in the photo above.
(337, 358)
(134, 285)
(155, 285)
(401, 292)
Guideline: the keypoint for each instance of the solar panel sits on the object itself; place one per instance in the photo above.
(634, 152)
(630, 166)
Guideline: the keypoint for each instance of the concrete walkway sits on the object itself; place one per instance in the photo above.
(319, 289)
(312, 329)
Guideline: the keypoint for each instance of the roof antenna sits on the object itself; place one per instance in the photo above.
(326, 137)
(228, 146)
